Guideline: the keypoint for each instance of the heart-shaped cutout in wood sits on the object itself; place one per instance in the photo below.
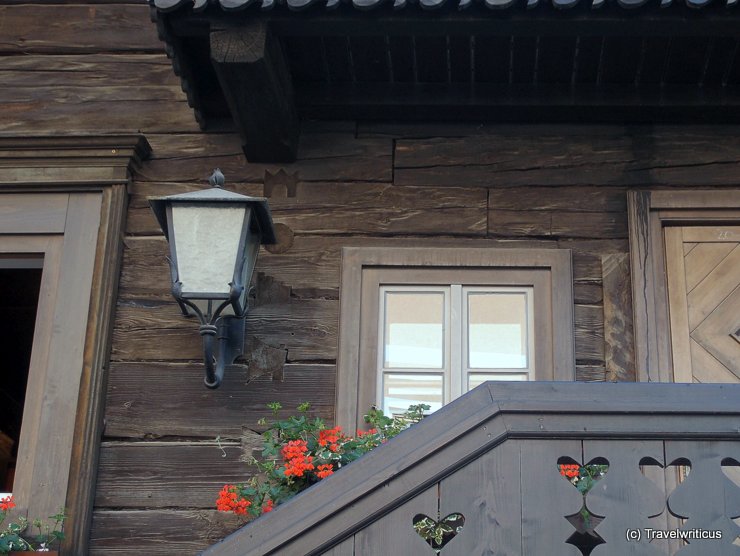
(583, 477)
(437, 533)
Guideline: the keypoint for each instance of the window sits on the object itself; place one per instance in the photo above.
(20, 283)
(438, 342)
(422, 325)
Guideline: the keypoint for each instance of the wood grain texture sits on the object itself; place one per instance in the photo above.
(678, 313)
(333, 208)
(716, 286)
(394, 532)
(624, 494)
(77, 29)
(171, 474)
(618, 329)
(141, 403)
(590, 373)
(484, 492)
(97, 70)
(307, 328)
(544, 526)
(310, 267)
(559, 199)
(676, 157)
(322, 156)
(589, 333)
(607, 225)
(54, 114)
(133, 532)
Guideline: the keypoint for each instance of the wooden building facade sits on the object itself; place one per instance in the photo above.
(597, 145)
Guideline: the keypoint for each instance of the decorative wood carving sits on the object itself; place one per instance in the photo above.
(281, 184)
(707, 499)
(256, 82)
(624, 496)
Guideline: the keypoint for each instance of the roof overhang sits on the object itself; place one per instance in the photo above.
(263, 65)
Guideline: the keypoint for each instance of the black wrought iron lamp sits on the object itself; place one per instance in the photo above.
(214, 238)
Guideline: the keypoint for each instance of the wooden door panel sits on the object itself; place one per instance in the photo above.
(703, 271)
(714, 288)
(715, 332)
(706, 368)
(700, 260)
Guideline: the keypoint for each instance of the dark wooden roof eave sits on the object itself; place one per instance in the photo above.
(361, 493)
(249, 67)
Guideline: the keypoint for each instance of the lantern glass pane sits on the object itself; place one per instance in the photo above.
(207, 241)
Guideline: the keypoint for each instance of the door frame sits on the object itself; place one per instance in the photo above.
(66, 198)
(649, 212)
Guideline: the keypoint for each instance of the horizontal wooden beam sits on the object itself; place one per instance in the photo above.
(256, 82)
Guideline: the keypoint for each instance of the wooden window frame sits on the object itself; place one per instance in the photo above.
(649, 213)
(367, 266)
(65, 198)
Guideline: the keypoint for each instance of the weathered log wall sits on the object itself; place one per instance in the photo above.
(169, 443)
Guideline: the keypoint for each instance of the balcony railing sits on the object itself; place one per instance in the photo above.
(483, 475)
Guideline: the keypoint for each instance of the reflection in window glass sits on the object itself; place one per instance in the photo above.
(497, 330)
(414, 330)
(402, 390)
(476, 379)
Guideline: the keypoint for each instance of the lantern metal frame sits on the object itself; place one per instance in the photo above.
(223, 335)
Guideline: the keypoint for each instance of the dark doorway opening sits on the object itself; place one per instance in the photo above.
(20, 282)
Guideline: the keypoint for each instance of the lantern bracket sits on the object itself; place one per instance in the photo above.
(229, 335)
(223, 336)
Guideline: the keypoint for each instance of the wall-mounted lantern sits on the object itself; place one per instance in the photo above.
(214, 238)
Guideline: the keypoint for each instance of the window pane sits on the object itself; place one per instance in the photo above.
(476, 379)
(414, 330)
(401, 391)
(497, 330)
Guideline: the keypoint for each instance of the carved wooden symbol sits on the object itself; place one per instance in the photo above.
(281, 184)
(707, 499)
(583, 478)
(437, 533)
(624, 497)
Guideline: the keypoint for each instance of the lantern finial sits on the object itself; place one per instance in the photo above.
(217, 179)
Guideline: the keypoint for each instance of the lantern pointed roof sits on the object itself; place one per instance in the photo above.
(217, 195)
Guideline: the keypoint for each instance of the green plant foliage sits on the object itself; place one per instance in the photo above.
(299, 451)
